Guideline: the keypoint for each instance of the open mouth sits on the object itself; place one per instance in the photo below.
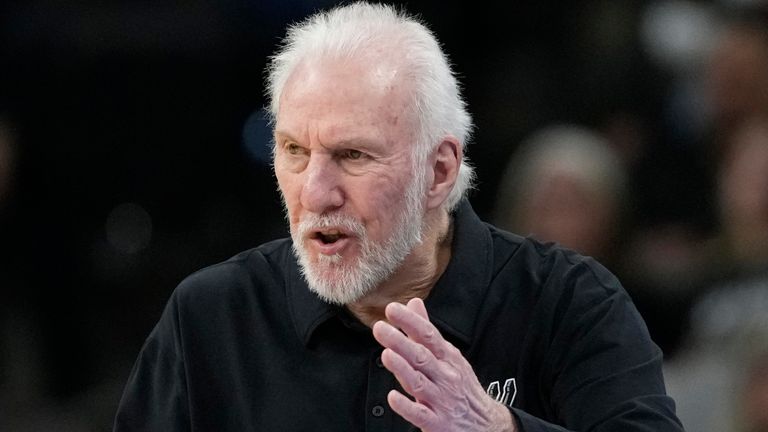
(329, 236)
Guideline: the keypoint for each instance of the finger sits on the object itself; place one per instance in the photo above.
(417, 328)
(418, 356)
(413, 381)
(417, 305)
(414, 412)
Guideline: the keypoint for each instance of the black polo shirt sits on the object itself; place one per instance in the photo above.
(244, 346)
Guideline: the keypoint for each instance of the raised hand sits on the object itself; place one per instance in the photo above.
(448, 396)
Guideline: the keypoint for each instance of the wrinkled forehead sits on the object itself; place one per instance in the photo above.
(375, 90)
(382, 76)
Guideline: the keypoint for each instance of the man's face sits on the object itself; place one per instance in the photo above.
(344, 166)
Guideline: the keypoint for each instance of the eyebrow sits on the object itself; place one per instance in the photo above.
(367, 143)
(284, 134)
(362, 142)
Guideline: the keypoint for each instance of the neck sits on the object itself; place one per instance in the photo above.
(415, 277)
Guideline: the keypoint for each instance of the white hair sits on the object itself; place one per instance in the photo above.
(363, 30)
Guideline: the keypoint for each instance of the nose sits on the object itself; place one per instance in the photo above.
(321, 191)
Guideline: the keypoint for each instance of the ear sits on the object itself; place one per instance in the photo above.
(445, 170)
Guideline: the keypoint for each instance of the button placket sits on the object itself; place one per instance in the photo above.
(380, 382)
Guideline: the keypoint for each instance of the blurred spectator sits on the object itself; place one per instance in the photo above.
(566, 185)
(754, 397)
(717, 57)
(743, 199)
(720, 377)
(737, 72)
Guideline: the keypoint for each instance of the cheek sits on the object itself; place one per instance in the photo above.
(383, 200)
(390, 190)
(388, 198)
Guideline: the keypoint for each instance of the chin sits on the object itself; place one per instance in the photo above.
(336, 291)
(338, 282)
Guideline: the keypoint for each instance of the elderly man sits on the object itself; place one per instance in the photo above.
(392, 306)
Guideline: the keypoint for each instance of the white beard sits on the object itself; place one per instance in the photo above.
(341, 283)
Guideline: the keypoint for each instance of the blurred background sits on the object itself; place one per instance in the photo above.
(134, 151)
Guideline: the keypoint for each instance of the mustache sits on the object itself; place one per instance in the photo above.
(315, 222)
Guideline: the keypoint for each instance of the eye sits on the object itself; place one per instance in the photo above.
(293, 149)
(353, 154)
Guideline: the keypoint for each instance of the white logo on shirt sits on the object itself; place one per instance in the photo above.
(505, 395)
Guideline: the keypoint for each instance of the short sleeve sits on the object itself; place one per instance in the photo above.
(155, 397)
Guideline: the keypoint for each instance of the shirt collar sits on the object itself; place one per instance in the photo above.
(306, 308)
(454, 302)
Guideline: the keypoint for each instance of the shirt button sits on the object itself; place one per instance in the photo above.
(377, 411)
(379, 362)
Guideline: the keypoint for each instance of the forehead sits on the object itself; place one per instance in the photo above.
(334, 97)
